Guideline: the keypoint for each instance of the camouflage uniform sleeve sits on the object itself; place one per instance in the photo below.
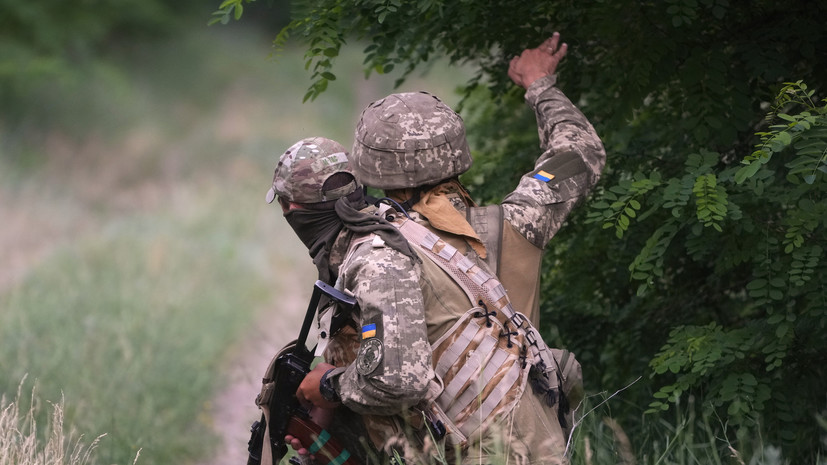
(393, 367)
(571, 163)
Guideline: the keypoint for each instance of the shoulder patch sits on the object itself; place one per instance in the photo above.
(543, 176)
(369, 331)
(560, 167)
(370, 356)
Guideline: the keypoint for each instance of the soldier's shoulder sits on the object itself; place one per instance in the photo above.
(371, 252)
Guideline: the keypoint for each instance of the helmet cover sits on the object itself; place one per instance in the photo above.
(409, 140)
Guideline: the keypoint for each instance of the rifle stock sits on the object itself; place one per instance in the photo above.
(326, 449)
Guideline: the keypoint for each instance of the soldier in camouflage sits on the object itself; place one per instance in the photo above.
(413, 147)
(325, 206)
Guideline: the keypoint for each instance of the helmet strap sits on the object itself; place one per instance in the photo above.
(412, 200)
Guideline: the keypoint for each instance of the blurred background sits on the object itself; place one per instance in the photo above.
(144, 282)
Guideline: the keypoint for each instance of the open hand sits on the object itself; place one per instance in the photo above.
(535, 63)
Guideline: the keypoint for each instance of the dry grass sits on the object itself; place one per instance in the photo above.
(22, 444)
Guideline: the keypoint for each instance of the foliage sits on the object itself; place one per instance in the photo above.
(747, 362)
(700, 258)
(55, 47)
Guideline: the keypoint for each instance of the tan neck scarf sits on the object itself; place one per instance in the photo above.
(440, 212)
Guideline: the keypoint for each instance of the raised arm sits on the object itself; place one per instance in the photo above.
(573, 155)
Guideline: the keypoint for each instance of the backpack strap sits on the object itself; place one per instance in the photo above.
(480, 284)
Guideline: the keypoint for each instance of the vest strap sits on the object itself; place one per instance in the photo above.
(479, 283)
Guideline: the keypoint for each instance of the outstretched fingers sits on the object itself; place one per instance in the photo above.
(553, 47)
(534, 63)
(550, 45)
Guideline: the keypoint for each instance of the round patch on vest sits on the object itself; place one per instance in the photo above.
(370, 356)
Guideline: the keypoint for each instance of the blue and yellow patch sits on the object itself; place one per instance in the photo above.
(369, 331)
(543, 176)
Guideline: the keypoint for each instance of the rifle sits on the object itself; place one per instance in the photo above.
(283, 377)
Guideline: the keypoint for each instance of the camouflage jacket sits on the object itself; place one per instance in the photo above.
(393, 366)
(574, 157)
(572, 153)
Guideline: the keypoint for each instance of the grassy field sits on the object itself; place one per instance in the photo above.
(136, 247)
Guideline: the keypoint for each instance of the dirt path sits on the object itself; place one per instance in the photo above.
(233, 408)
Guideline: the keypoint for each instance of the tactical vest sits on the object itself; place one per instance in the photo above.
(483, 360)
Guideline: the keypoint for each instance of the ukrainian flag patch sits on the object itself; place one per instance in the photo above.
(369, 331)
(543, 176)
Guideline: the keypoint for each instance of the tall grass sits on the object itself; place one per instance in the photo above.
(131, 325)
(137, 248)
(696, 436)
(20, 443)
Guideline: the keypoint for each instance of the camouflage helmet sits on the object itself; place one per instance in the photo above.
(409, 140)
(303, 169)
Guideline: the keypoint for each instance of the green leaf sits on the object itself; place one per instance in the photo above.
(749, 380)
(785, 138)
(747, 171)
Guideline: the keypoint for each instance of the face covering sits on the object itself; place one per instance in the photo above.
(317, 229)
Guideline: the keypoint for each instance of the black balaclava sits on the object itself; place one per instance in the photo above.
(317, 229)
